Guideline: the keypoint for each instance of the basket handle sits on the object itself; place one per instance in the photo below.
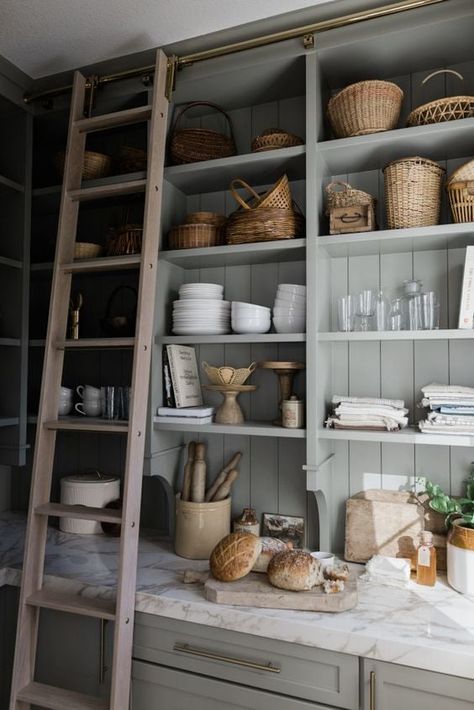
(338, 183)
(113, 295)
(442, 71)
(349, 219)
(252, 367)
(202, 103)
(470, 187)
(239, 182)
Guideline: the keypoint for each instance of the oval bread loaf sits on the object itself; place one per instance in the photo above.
(271, 546)
(234, 556)
(294, 570)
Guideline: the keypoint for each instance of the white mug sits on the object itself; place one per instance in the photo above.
(89, 408)
(88, 392)
(65, 406)
(65, 393)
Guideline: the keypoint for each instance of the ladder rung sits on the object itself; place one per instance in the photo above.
(109, 426)
(47, 696)
(81, 512)
(113, 190)
(111, 120)
(73, 604)
(92, 343)
(111, 263)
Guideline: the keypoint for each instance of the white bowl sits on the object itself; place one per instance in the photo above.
(326, 559)
(292, 288)
(209, 330)
(292, 312)
(246, 326)
(286, 297)
(287, 325)
(240, 306)
(216, 288)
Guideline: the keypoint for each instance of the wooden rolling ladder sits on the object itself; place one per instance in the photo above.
(34, 596)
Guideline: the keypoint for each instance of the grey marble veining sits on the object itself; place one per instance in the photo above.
(429, 628)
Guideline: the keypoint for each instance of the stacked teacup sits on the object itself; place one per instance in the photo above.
(65, 401)
(91, 404)
(289, 309)
(201, 310)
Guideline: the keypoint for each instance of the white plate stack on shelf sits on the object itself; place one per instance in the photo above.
(289, 309)
(201, 310)
(249, 318)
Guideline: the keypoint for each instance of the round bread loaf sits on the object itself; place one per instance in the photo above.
(234, 556)
(271, 546)
(294, 570)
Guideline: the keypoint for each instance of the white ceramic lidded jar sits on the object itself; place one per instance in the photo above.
(292, 413)
(93, 489)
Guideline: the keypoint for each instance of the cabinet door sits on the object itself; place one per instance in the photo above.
(159, 687)
(395, 687)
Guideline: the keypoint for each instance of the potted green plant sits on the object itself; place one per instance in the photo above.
(459, 520)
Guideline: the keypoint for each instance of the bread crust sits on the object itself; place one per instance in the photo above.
(234, 556)
(271, 546)
(294, 570)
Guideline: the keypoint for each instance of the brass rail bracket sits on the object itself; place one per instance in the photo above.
(92, 84)
(171, 76)
(308, 41)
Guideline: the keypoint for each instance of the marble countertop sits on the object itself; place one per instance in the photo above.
(421, 627)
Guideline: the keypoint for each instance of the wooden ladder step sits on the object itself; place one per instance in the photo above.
(112, 120)
(108, 426)
(95, 343)
(111, 263)
(130, 187)
(73, 604)
(81, 512)
(47, 696)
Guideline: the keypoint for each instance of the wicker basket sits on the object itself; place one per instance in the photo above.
(96, 165)
(461, 200)
(464, 173)
(274, 138)
(412, 192)
(190, 236)
(347, 196)
(227, 375)
(265, 224)
(366, 107)
(441, 110)
(127, 239)
(278, 196)
(132, 160)
(86, 250)
(212, 218)
(190, 145)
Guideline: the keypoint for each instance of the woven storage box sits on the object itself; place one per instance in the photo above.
(190, 145)
(274, 138)
(366, 107)
(349, 210)
(441, 110)
(96, 165)
(190, 236)
(86, 250)
(412, 189)
(125, 240)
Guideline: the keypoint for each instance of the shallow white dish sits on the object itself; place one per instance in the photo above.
(210, 330)
(241, 306)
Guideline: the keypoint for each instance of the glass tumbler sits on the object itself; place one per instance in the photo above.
(365, 310)
(429, 307)
(395, 319)
(345, 313)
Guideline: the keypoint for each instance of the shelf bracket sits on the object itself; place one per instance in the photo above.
(171, 76)
(308, 41)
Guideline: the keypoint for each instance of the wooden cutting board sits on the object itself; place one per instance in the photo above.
(255, 590)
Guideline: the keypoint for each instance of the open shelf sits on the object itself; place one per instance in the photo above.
(442, 334)
(232, 338)
(237, 254)
(410, 435)
(109, 263)
(246, 429)
(9, 421)
(10, 342)
(14, 263)
(108, 426)
(42, 266)
(6, 183)
(255, 168)
(95, 343)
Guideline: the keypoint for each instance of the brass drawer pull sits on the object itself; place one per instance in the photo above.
(185, 648)
(372, 690)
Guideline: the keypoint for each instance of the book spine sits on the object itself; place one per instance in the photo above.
(466, 310)
(174, 377)
(168, 390)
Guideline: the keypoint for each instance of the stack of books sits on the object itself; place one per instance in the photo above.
(186, 415)
(182, 397)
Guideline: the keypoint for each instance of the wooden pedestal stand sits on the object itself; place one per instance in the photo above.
(285, 372)
(230, 412)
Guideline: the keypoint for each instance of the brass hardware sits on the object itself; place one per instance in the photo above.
(308, 41)
(186, 648)
(102, 667)
(171, 76)
(186, 60)
(372, 691)
(92, 84)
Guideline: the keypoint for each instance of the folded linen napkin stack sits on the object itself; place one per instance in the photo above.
(369, 413)
(452, 409)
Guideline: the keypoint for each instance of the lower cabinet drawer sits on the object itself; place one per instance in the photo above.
(278, 667)
(157, 687)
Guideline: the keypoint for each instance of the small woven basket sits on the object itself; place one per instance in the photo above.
(461, 200)
(366, 107)
(278, 196)
(274, 138)
(412, 192)
(464, 173)
(441, 110)
(191, 236)
(127, 239)
(86, 250)
(262, 225)
(96, 165)
(341, 194)
(191, 145)
(227, 375)
(132, 160)
(212, 218)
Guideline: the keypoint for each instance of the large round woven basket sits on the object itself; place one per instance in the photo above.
(264, 224)
(366, 107)
(441, 110)
(191, 145)
(412, 189)
(96, 165)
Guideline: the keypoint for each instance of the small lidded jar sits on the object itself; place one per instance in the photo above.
(292, 413)
(247, 522)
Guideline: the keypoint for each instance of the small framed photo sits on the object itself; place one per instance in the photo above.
(288, 528)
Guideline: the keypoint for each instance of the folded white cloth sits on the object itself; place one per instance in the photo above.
(391, 571)
(436, 389)
(348, 422)
(431, 428)
(397, 403)
(450, 419)
(370, 410)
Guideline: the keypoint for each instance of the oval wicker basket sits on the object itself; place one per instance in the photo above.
(278, 196)
(86, 250)
(227, 375)
(265, 224)
(346, 196)
(412, 189)
(273, 139)
(190, 236)
(191, 145)
(442, 110)
(96, 165)
(366, 107)
(127, 239)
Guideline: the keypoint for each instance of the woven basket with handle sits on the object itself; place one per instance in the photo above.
(278, 196)
(274, 138)
(262, 225)
(441, 110)
(366, 107)
(341, 194)
(227, 375)
(464, 173)
(190, 145)
(412, 192)
(96, 165)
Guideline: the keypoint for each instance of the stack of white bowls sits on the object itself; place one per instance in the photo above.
(201, 310)
(249, 318)
(289, 309)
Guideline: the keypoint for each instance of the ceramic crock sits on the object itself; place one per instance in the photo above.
(460, 554)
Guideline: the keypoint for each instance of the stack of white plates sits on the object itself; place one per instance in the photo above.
(289, 310)
(201, 310)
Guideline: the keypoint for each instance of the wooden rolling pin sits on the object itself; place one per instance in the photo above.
(188, 472)
(224, 489)
(198, 485)
(221, 477)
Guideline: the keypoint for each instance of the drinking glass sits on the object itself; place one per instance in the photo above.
(115, 402)
(382, 308)
(429, 307)
(345, 313)
(396, 316)
(365, 310)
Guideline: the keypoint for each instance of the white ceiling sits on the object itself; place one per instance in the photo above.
(44, 37)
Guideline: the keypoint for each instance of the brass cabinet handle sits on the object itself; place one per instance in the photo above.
(372, 690)
(193, 651)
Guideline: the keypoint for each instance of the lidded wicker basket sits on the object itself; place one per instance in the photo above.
(460, 189)
(274, 138)
(412, 192)
(193, 236)
(366, 107)
(442, 110)
(227, 375)
(96, 165)
(346, 196)
(191, 145)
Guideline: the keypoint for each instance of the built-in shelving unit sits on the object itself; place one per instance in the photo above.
(373, 336)
(249, 428)
(233, 338)
(409, 436)
(237, 254)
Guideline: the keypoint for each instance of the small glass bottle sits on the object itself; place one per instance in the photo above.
(426, 560)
